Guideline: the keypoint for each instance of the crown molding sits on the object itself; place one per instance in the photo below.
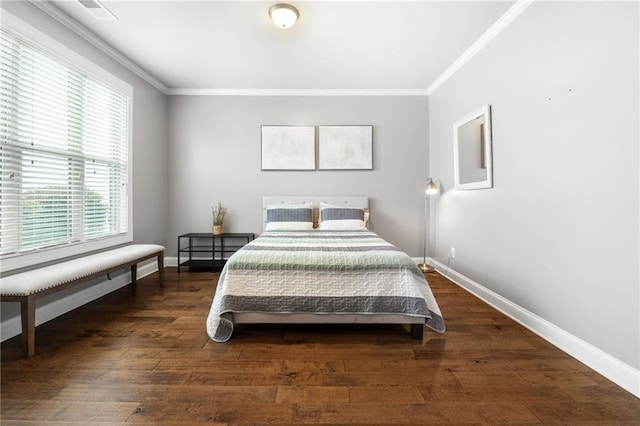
(511, 14)
(508, 17)
(96, 41)
(295, 92)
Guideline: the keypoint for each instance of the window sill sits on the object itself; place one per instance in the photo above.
(37, 257)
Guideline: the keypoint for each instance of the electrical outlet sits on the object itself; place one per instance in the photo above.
(452, 252)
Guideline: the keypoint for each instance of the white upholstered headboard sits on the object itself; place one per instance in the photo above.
(338, 200)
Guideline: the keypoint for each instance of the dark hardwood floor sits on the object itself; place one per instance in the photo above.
(144, 357)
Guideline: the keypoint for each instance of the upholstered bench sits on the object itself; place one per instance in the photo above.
(26, 287)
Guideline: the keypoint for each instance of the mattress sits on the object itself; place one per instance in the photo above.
(350, 273)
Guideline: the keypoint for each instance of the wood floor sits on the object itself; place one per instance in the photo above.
(144, 357)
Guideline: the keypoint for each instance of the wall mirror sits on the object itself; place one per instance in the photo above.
(472, 152)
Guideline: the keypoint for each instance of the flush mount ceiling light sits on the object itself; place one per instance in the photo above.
(284, 15)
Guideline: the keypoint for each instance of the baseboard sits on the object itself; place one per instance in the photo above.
(612, 368)
(12, 327)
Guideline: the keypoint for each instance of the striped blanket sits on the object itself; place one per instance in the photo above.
(343, 272)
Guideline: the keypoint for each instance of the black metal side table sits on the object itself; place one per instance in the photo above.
(207, 251)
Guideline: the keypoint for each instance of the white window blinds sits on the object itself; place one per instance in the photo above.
(63, 152)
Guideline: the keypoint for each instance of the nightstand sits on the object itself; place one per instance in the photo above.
(204, 250)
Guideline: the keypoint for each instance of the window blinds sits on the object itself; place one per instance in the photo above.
(63, 152)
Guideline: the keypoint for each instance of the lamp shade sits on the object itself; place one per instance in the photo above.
(284, 15)
(431, 187)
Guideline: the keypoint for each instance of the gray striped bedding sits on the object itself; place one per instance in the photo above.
(343, 272)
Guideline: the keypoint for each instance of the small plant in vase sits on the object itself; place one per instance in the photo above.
(218, 212)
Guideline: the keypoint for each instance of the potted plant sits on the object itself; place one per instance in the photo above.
(218, 212)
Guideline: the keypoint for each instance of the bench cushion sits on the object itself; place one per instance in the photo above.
(36, 280)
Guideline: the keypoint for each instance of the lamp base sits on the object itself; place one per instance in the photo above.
(426, 268)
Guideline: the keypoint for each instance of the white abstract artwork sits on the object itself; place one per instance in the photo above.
(288, 148)
(345, 147)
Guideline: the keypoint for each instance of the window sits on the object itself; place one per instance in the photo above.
(64, 154)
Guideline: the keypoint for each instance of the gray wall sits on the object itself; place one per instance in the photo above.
(215, 156)
(150, 138)
(558, 233)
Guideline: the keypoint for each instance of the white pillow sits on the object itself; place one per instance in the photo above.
(289, 217)
(336, 218)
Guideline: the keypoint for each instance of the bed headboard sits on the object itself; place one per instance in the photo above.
(315, 200)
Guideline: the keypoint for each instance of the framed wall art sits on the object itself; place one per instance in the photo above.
(288, 147)
(345, 147)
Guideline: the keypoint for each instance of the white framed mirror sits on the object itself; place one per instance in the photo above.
(473, 159)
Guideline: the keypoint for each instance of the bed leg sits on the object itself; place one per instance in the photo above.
(416, 331)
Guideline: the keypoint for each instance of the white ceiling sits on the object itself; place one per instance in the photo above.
(232, 45)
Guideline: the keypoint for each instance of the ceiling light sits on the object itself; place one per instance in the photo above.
(283, 15)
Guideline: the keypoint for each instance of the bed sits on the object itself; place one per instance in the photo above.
(340, 273)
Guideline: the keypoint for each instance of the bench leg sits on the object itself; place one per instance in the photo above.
(28, 319)
(134, 275)
(161, 268)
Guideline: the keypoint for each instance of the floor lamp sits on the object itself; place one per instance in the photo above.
(430, 188)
